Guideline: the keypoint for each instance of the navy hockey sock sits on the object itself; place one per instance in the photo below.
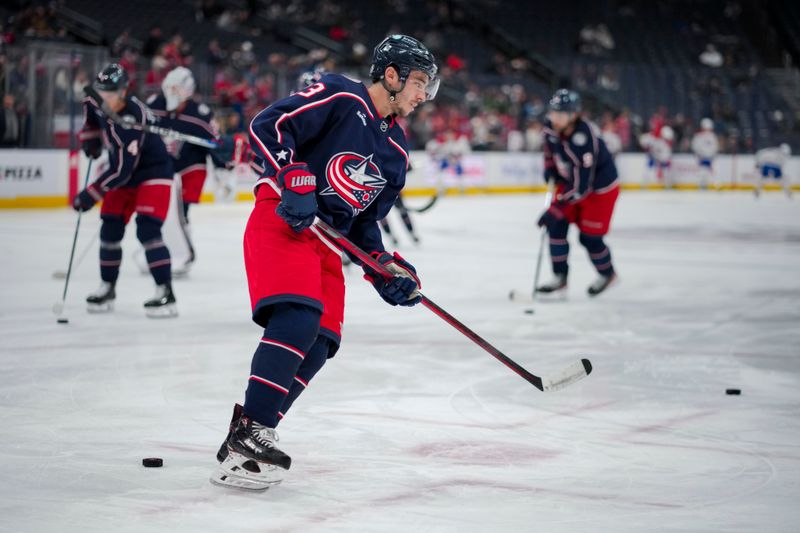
(148, 231)
(111, 232)
(313, 362)
(559, 247)
(598, 253)
(288, 337)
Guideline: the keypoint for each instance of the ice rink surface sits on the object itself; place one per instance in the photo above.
(412, 427)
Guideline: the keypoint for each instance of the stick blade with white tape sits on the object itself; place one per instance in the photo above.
(574, 372)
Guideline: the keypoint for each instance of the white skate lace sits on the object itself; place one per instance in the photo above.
(264, 435)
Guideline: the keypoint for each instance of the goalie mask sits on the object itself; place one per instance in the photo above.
(178, 86)
(405, 54)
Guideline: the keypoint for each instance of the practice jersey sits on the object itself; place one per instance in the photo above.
(772, 157)
(705, 144)
(133, 155)
(358, 157)
(194, 119)
(579, 161)
(660, 150)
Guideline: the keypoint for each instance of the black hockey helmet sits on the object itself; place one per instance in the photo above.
(405, 54)
(112, 78)
(565, 100)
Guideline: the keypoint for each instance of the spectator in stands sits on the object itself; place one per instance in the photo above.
(153, 42)
(711, 57)
(215, 54)
(10, 123)
(128, 59)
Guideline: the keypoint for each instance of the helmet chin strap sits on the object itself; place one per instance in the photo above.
(393, 94)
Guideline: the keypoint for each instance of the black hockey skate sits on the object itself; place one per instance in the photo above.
(251, 460)
(557, 284)
(162, 305)
(222, 454)
(601, 284)
(102, 300)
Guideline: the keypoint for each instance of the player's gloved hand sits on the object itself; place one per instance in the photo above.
(403, 287)
(93, 148)
(298, 205)
(552, 215)
(550, 175)
(84, 200)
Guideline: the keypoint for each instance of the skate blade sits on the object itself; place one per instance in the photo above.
(558, 295)
(166, 311)
(611, 284)
(100, 308)
(223, 479)
(237, 465)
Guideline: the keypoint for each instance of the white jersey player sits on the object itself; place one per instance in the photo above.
(705, 146)
(659, 150)
(770, 163)
(448, 151)
(612, 140)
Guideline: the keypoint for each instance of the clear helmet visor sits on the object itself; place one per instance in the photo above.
(432, 88)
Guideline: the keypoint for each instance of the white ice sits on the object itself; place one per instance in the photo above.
(412, 427)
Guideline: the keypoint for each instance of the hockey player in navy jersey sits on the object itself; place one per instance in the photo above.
(138, 180)
(333, 150)
(577, 160)
(176, 110)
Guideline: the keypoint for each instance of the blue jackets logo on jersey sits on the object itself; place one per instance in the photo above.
(355, 179)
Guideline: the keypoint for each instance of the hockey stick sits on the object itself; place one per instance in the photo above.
(61, 274)
(518, 295)
(567, 376)
(129, 123)
(58, 308)
(427, 206)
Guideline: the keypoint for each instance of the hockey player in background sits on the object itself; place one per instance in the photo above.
(405, 218)
(659, 151)
(577, 160)
(447, 150)
(769, 163)
(176, 110)
(332, 150)
(705, 146)
(138, 180)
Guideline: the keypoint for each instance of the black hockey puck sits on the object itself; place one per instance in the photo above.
(733, 392)
(153, 462)
(63, 321)
(529, 311)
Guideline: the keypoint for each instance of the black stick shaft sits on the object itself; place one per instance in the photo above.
(75, 237)
(343, 242)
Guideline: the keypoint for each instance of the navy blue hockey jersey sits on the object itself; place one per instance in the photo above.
(359, 158)
(133, 155)
(193, 119)
(580, 161)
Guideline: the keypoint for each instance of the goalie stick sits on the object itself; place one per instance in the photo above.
(572, 373)
(129, 123)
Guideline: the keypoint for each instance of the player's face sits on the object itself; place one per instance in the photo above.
(113, 99)
(413, 94)
(560, 119)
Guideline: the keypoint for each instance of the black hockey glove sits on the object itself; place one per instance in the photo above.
(93, 148)
(552, 215)
(298, 205)
(403, 287)
(85, 199)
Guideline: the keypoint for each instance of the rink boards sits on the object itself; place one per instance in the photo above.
(46, 178)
